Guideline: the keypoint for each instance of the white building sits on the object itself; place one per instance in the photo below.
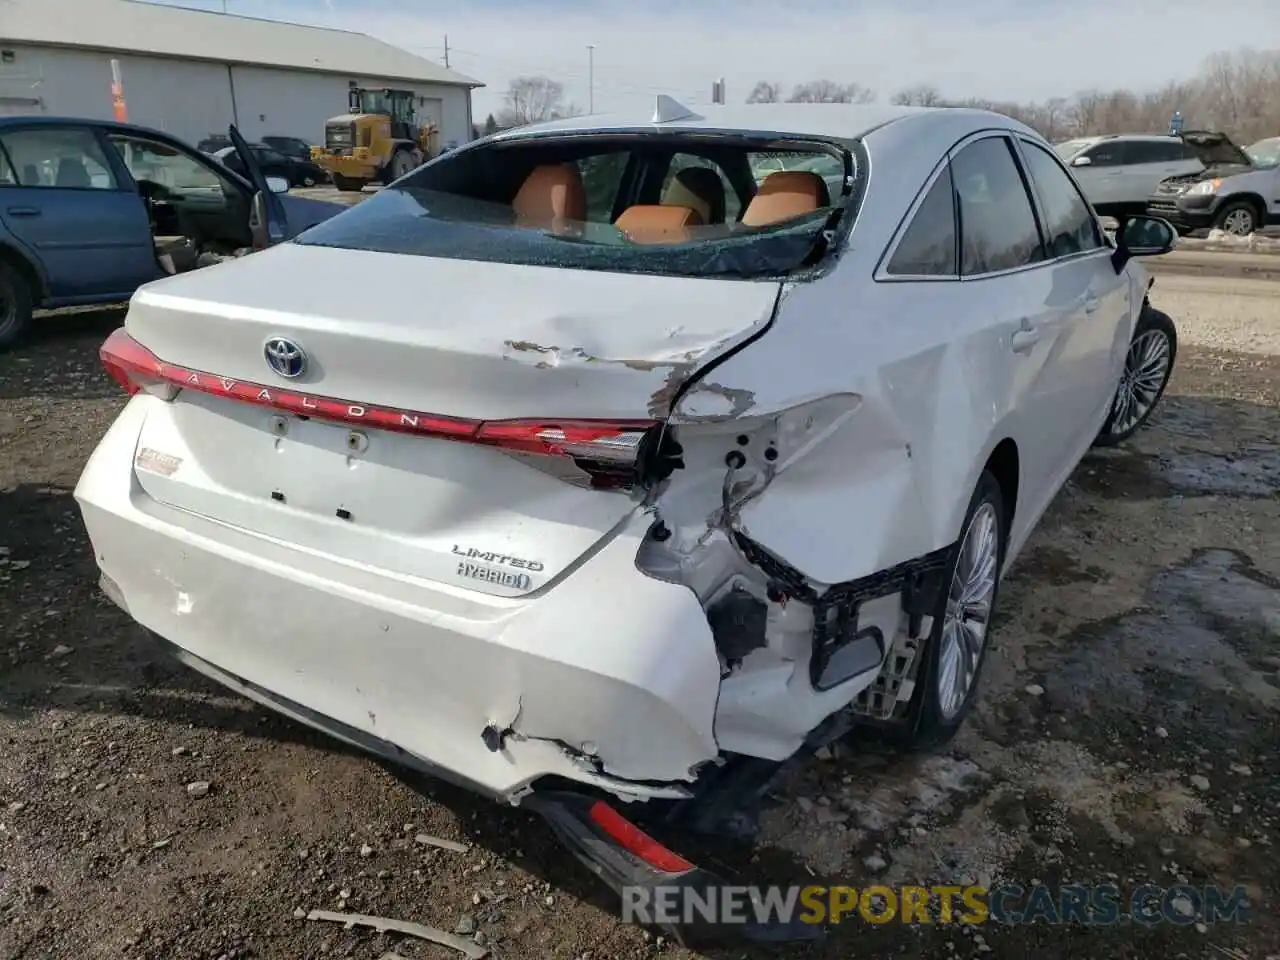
(192, 72)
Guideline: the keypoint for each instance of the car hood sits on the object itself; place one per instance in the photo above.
(302, 213)
(1216, 149)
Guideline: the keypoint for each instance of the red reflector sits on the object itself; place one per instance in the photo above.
(635, 841)
(609, 442)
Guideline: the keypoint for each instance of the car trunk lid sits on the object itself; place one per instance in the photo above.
(358, 455)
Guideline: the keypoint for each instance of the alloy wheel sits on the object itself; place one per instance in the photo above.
(1238, 222)
(1146, 367)
(964, 625)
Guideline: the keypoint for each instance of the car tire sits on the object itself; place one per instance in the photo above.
(346, 184)
(938, 706)
(16, 303)
(1239, 218)
(399, 165)
(1148, 365)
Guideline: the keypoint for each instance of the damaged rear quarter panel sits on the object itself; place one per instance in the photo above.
(892, 481)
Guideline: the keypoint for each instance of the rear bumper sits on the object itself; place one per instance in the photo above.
(609, 679)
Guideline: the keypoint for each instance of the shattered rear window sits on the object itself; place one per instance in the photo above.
(663, 204)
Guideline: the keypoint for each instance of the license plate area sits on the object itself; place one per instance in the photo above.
(323, 468)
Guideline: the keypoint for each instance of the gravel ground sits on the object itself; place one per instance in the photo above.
(1127, 731)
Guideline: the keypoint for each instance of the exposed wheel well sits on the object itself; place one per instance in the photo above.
(1003, 464)
(25, 270)
(1259, 205)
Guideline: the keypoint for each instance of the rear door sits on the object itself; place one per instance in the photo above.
(1103, 178)
(1149, 162)
(70, 209)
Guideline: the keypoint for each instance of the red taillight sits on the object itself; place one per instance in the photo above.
(635, 841)
(608, 451)
(133, 366)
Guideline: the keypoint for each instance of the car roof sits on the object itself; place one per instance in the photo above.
(827, 121)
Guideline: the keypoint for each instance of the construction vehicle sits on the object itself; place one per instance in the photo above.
(378, 140)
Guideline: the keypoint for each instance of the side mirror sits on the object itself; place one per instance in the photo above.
(1082, 162)
(1142, 236)
(277, 184)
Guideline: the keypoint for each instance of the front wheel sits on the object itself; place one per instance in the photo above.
(1148, 365)
(956, 648)
(401, 163)
(1238, 218)
(16, 302)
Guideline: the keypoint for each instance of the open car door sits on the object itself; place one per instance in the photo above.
(267, 221)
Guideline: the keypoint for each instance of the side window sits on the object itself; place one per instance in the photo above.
(717, 203)
(1152, 151)
(162, 165)
(1170, 152)
(998, 228)
(60, 157)
(1109, 153)
(1069, 226)
(928, 247)
(601, 177)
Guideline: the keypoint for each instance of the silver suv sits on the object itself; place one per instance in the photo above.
(1238, 192)
(1119, 172)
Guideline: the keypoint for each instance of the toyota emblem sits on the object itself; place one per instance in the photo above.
(285, 357)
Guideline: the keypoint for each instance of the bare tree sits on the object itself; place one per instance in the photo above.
(828, 91)
(765, 92)
(922, 95)
(534, 99)
(1237, 92)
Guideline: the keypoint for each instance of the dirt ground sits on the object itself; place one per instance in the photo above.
(1127, 732)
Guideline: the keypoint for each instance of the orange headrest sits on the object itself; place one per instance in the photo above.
(550, 194)
(786, 194)
(657, 222)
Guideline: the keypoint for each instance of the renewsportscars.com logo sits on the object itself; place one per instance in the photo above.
(1101, 905)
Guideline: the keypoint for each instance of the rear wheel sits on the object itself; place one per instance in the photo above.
(16, 303)
(1238, 218)
(1147, 368)
(347, 184)
(956, 649)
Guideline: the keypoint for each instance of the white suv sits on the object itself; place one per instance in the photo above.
(1119, 173)
(611, 491)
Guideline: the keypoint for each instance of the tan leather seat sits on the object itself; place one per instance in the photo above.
(700, 188)
(552, 196)
(657, 222)
(784, 195)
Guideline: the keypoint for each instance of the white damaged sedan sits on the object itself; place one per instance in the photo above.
(596, 459)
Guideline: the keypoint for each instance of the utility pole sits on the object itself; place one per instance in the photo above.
(591, 78)
(446, 47)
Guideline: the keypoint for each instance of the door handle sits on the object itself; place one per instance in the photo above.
(1025, 337)
(1091, 303)
(24, 211)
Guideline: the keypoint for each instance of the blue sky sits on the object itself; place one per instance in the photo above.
(1000, 49)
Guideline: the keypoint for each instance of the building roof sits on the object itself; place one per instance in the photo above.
(133, 26)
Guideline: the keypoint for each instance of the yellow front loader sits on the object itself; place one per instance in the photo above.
(378, 140)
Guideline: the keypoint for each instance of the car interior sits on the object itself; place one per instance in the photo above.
(645, 192)
(197, 216)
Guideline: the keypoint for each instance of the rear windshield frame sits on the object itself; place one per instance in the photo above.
(795, 251)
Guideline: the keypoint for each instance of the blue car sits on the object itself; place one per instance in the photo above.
(90, 210)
